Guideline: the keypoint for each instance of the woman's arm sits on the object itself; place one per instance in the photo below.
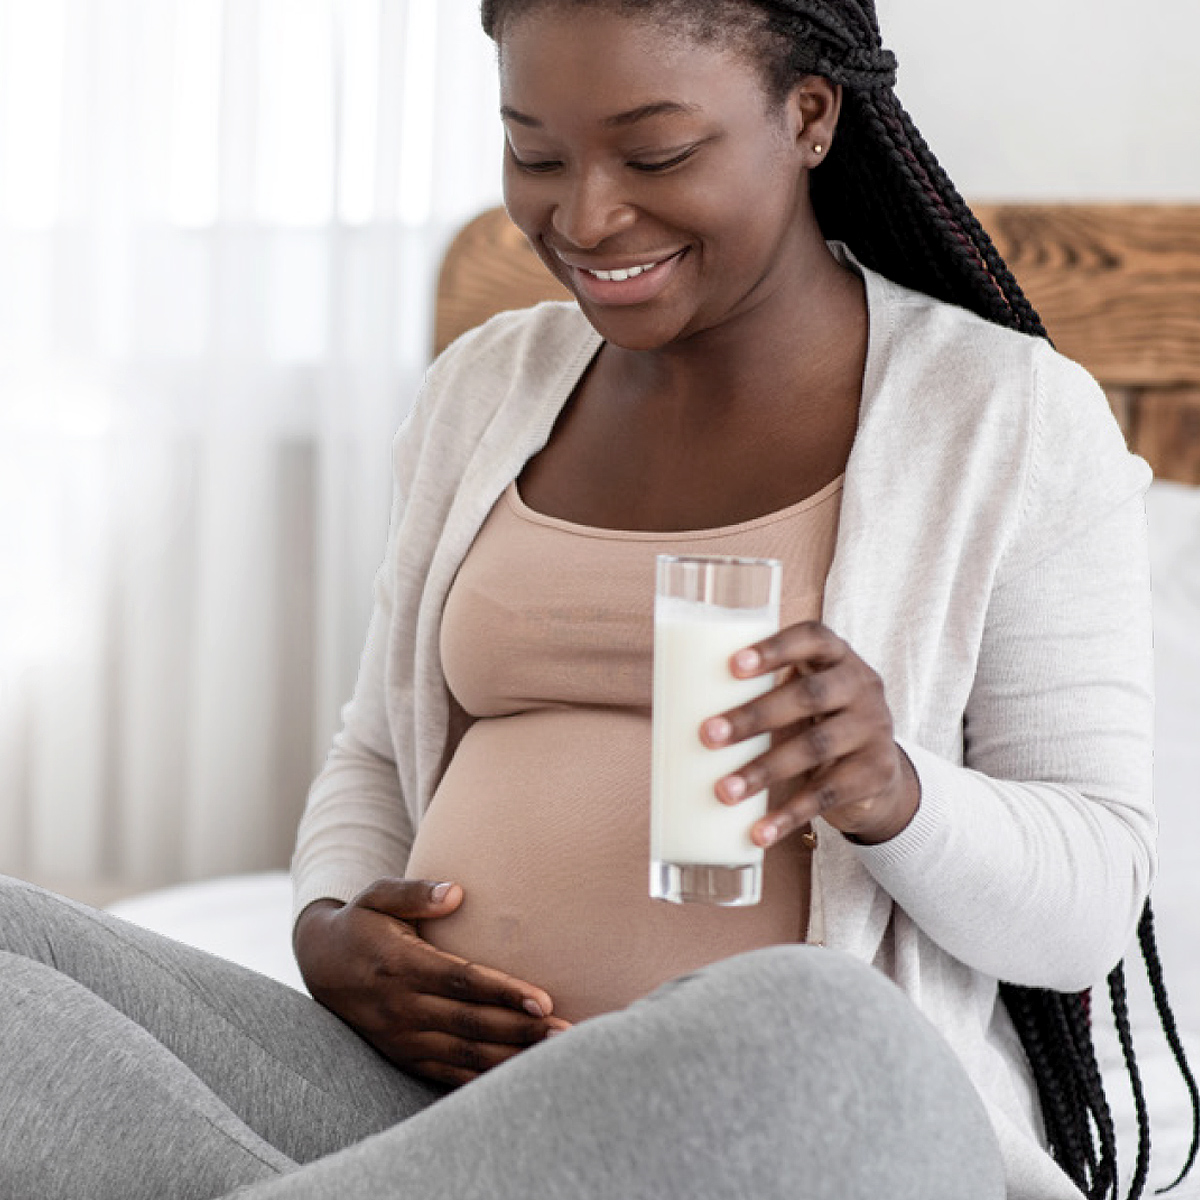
(485, 404)
(1033, 862)
(356, 827)
(355, 931)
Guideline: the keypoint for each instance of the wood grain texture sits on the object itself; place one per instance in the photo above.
(1166, 432)
(489, 268)
(1124, 403)
(1118, 287)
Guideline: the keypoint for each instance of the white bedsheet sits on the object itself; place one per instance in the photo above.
(246, 918)
(1174, 514)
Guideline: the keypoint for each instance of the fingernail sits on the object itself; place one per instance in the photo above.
(533, 1008)
(747, 660)
(439, 892)
(717, 730)
(554, 1031)
(734, 787)
(769, 834)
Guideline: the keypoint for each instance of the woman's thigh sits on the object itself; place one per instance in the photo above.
(93, 1106)
(295, 1074)
(785, 1073)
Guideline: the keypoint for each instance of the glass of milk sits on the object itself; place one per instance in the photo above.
(705, 610)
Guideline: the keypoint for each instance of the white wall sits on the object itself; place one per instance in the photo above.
(1054, 99)
(1051, 99)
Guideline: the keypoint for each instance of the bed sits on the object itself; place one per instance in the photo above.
(1119, 290)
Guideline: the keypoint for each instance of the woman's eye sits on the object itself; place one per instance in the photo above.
(543, 166)
(534, 166)
(664, 164)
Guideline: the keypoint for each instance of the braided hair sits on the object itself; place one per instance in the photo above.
(882, 192)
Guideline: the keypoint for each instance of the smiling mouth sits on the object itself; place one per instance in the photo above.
(622, 287)
(620, 276)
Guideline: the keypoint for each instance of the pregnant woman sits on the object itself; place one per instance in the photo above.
(790, 339)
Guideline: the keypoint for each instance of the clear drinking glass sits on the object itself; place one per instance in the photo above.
(705, 610)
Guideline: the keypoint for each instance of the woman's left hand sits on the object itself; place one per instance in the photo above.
(832, 754)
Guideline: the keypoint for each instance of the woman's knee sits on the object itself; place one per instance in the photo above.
(806, 997)
(19, 902)
(798, 984)
(807, 1041)
(834, 1042)
(775, 1003)
(29, 917)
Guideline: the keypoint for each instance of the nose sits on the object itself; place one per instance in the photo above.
(590, 210)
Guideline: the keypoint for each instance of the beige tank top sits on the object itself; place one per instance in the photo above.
(543, 813)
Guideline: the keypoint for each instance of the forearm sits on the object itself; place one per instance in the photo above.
(1030, 882)
(355, 829)
(1033, 862)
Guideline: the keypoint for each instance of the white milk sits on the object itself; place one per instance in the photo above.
(693, 644)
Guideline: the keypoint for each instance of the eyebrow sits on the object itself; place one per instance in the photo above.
(662, 108)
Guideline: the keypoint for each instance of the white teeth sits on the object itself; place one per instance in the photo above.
(621, 276)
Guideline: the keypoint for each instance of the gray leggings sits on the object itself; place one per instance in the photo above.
(132, 1066)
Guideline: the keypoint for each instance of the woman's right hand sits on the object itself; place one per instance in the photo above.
(432, 1013)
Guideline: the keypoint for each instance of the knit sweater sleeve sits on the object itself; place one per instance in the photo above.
(1032, 861)
(356, 826)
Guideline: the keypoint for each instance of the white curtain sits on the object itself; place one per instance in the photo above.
(219, 226)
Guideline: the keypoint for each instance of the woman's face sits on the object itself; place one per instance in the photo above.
(650, 171)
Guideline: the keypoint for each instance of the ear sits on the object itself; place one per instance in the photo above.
(814, 107)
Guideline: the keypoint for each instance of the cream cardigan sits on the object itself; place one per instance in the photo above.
(991, 565)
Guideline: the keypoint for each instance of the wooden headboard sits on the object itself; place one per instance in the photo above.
(1118, 287)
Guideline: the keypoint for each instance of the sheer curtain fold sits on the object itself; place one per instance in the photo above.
(219, 226)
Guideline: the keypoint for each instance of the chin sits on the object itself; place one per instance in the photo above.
(631, 330)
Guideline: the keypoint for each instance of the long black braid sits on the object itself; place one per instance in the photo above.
(883, 193)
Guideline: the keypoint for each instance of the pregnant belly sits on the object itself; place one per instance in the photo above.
(543, 818)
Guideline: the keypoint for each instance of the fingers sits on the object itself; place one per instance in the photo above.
(854, 794)
(444, 992)
(822, 676)
(453, 1061)
(431, 970)
(445, 1018)
(811, 747)
(809, 645)
(426, 1010)
(410, 899)
(453, 1042)
(445, 975)
(450, 1059)
(482, 1023)
(833, 752)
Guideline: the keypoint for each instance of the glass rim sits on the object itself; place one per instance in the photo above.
(719, 560)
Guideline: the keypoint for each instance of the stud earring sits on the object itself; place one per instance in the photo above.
(818, 149)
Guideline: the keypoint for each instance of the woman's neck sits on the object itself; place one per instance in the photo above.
(803, 339)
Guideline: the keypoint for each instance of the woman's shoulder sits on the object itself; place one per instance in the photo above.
(1007, 403)
(962, 363)
(928, 331)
